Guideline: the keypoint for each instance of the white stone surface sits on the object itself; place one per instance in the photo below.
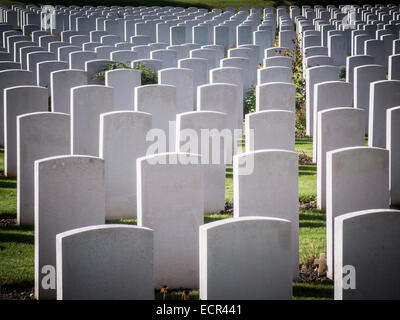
(160, 101)
(276, 96)
(222, 97)
(246, 258)
(272, 129)
(69, 193)
(124, 82)
(77, 59)
(44, 69)
(241, 63)
(367, 240)
(383, 94)
(265, 183)
(39, 135)
(315, 75)
(61, 83)
(87, 103)
(119, 259)
(274, 74)
(394, 67)
(15, 104)
(122, 141)
(182, 79)
(338, 128)
(327, 95)
(393, 144)
(357, 178)
(11, 78)
(175, 217)
(202, 132)
(199, 66)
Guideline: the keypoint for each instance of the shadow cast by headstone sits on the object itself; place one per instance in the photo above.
(303, 290)
(6, 182)
(16, 237)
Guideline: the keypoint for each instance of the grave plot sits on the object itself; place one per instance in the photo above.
(161, 152)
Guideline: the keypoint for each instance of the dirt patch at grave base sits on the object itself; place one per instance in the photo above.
(228, 208)
(304, 158)
(308, 204)
(5, 222)
(309, 274)
(18, 294)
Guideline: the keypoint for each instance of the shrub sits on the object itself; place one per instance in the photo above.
(342, 74)
(250, 101)
(148, 76)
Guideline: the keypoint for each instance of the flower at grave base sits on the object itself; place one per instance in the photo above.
(30, 35)
(164, 290)
(259, 65)
(275, 44)
(185, 295)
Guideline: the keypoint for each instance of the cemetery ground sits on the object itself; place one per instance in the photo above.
(17, 242)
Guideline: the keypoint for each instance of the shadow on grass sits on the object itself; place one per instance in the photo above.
(309, 167)
(315, 216)
(6, 182)
(313, 291)
(311, 224)
(16, 237)
(229, 172)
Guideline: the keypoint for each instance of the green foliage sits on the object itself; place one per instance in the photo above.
(342, 74)
(111, 66)
(250, 100)
(148, 76)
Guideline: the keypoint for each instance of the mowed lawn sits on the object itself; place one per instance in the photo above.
(17, 242)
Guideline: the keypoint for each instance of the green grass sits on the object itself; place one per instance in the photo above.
(8, 192)
(16, 256)
(312, 235)
(304, 145)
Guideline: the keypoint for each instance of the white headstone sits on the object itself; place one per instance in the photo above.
(357, 178)
(124, 82)
(69, 193)
(15, 104)
(393, 144)
(176, 234)
(11, 78)
(201, 132)
(266, 184)
(273, 129)
(119, 259)
(87, 103)
(384, 94)
(61, 83)
(39, 135)
(327, 95)
(182, 79)
(246, 258)
(160, 101)
(276, 96)
(338, 128)
(367, 241)
(122, 141)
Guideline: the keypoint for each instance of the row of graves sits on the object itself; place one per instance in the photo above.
(86, 149)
